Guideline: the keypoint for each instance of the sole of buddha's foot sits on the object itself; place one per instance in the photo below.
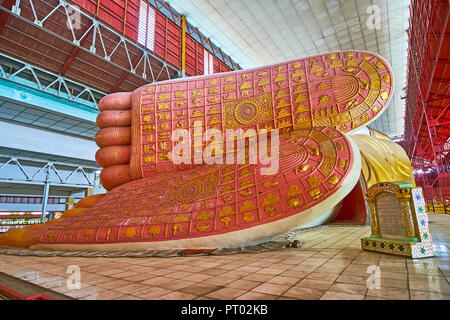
(343, 90)
(216, 206)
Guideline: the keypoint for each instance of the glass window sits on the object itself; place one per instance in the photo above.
(208, 62)
(146, 27)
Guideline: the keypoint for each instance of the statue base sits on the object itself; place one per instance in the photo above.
(412, 249)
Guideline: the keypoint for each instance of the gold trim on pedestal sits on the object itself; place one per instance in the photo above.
(373, 217)
(406, 213)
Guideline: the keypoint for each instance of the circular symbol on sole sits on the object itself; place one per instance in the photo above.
(247, 112)
(189, 191)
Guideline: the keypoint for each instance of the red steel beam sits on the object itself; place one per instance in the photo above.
(441, 41)
(69, 60)
(444, 111)
(73, 54)
(440, 97)
(125, 74)
(437, 124)
(4, 15)
(441, 80)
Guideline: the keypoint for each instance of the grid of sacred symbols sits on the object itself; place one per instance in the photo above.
(341, 90)
(213, 199)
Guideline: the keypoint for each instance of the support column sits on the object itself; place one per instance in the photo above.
(46, 192)
(88, 192)
(69, 203)
(45, 200)
(183, 46)
(125, 17)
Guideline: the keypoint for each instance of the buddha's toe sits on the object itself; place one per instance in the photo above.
(114, 139)
(116, 101)
(113, 155)
(114, 118)
(115, 176)
(113, 136)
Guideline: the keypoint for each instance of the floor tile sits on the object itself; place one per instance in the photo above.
(259, 277)
(295, 274)
(132, 288)
(304, 293)
(349, 288)
(226, 293)
(197, 277)
(288, 281)
(389, 293)
(314, 284)
(177, 295)
(106, 295)
(271, 288)
(427, 295)
(157, 281)
(114, 283)
(199, 289)
(271, 271)
(440, 285)
(175, 284)
(256, 296)
(216, 281)
(322, 276)
(332, 295)
(243, 284)
(152, 293)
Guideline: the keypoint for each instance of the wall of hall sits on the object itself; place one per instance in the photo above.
(123, 16)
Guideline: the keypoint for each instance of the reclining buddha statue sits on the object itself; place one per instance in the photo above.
(308, 108)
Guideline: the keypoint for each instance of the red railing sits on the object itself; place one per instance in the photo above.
(14, 295)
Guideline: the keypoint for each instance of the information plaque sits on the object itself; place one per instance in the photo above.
(389, 216)
(399, 222)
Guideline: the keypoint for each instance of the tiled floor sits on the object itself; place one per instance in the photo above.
(329, 265)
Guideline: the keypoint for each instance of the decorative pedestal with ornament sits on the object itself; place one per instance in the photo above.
(399, 222)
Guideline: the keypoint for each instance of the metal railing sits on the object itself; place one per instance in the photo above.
(98, 33)
(37, 78)
(48, 172)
